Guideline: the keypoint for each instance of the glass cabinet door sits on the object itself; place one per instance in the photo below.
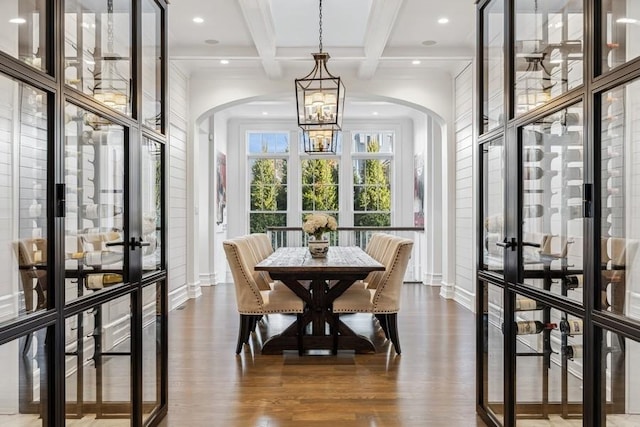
(151, 192)
(552, 218)
(493, 205)
(95, 202)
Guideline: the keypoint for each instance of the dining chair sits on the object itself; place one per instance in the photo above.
(263, 244)
(32, 253)
(384, 300)
(253, 302)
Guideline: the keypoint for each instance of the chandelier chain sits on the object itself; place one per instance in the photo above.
(320, 32)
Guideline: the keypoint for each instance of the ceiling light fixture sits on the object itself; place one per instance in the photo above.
(320, 104)
(627, 21)
(224, 61)
(17, 21)
(443, 21)
(198, 20)
(416, 62)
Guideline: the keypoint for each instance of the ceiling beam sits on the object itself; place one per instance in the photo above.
(257, 15)
(383, 16)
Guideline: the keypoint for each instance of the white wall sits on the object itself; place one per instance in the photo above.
(177, 187)
(465, 189)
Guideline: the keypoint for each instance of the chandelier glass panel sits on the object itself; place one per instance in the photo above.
(320, 102)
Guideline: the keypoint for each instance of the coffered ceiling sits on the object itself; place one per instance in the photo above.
(363, 37)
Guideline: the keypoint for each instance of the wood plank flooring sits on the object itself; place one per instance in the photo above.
(431, 384)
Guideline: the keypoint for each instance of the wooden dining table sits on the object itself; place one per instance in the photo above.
(318, 282)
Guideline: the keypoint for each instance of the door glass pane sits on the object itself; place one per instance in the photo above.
(493, 349)
(24, 381)
(23, 33)
(151, 65)
(97, 50)
(620, 193)
(493, 57)
(373, 142)
(98, 364)
(620, 32)
(548, 364)
(493, 204)
(548, 51)
(23, 199)
(621, 379)
(151, 205)
(552, 178)
(151, 348)
(94, 177)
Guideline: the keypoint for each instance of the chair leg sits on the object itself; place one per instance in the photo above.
(392, 320)
(300, 334)
(335, 333)
(243, 332)
(382, 318)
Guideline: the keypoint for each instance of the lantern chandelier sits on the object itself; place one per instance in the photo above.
(320, 101)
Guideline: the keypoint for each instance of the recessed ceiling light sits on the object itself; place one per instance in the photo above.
(212, 41)
(627, 21)
(443, 20)
(224, 61)
(17, 20)
(375, 113)
(429, 42)
(265, 113)
(198, 20)
(415, 62)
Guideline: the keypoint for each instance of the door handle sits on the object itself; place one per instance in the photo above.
(138, 243)
(508, 243)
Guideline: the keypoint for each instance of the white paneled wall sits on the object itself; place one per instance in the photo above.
(465, 230)
(177, 187)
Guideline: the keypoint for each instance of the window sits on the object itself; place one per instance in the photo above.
(268, 154)
(371, 178)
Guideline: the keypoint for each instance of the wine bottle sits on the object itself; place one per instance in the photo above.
(574, 155)
(532, 154)
(573, 173)
(532, 172)
(573, 351)
(98, 258)
(571, 327)
(101, 280)
(573, 191)
(527, 304)
(573, 281)
(532, 211)
(574, 212)
(527, 327)
(101, 210)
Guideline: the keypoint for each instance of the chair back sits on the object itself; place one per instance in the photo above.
(384, 254)
(263, 243)
(252, 257)
(387, 295)
(248, 297)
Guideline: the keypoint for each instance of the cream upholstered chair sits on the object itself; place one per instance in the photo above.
(384, 300)
(253, 302)
(251, 258)
(263, 244)
(32, 256)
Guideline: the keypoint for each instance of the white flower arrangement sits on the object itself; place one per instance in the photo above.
(317, 224)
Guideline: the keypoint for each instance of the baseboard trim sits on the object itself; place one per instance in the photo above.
(193, 290)
(207, 279)
(447, 290)
(465, 298)
(432, 279)
(177, 297)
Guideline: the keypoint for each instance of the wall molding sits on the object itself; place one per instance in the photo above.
(465, 298)
(207, 279)
(177, 297)
(194, 290)
(447, 290)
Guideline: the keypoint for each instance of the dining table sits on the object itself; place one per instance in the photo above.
(318, 282)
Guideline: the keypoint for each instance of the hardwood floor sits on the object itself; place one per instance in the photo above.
(431, 384)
